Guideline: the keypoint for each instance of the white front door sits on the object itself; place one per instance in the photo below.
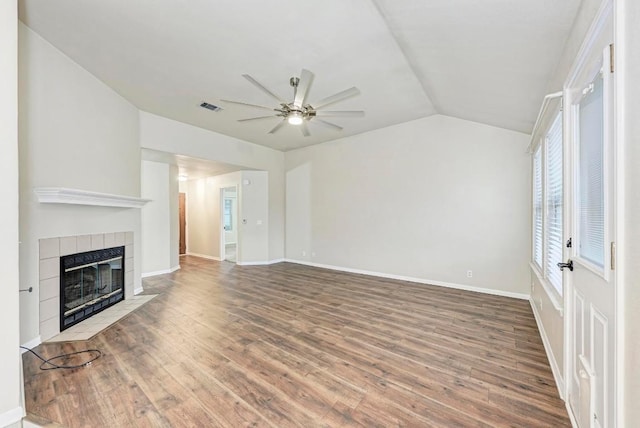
(591, 285)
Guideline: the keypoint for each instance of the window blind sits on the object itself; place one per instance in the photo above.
(554, 202)
(590, 176)
(537, 206)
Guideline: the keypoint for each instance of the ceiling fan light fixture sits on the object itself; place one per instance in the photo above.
(294, 118)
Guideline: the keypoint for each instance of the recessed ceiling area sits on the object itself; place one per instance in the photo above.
(488, 61)
(189, 167)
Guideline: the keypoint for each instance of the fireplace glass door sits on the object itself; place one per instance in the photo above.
(90, 282)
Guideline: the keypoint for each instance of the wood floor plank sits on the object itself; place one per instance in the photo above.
(291, 345)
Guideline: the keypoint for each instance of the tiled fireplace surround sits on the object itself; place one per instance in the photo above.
(50, 251)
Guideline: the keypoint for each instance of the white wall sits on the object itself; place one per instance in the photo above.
(253, 216)
(628, 77)
(167, 135)
(205, 222)
(429, 199)
(75, 132)
(160, 232)
(174, 218)
(584, 16)
(10, 379)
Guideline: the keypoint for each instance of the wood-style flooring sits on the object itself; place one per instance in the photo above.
(290, 345)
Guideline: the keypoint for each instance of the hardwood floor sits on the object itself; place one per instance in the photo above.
(289, 345)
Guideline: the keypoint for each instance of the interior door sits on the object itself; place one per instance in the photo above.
(591, 297)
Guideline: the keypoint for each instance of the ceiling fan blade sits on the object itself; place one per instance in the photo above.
(301, 92)
(263, 89)
(347, 93)
(327, 124)
(305, 129)
(256, 118)
(278, 126)
(348, 113)
(247, 104)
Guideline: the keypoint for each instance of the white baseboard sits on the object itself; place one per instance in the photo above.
(494, 292)
(137, 290)
(203, 256)
(260, 263)
(572, 418)
(31, 344)
(160, 272)
(557, 375)
(11, 416)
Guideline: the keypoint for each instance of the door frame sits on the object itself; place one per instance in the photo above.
(223, 250)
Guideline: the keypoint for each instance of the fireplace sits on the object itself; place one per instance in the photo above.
(89, 283)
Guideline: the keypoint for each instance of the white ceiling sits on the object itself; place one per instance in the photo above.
(189, 167)
(487, 61)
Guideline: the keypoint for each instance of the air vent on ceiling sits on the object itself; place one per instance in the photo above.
(210, 106)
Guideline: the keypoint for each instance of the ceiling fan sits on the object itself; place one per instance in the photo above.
(299, 111)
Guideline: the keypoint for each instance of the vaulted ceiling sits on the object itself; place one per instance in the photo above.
(487, 61)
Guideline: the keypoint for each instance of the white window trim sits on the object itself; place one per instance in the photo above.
(556, 298)
(604, 271)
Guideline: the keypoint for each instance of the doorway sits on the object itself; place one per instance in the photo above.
(229, 223)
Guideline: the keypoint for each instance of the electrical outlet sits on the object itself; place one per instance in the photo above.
(304, 253)
(469, 274)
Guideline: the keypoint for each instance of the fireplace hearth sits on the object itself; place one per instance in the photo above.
(89, 283)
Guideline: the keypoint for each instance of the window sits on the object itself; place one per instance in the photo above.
(553, 198)
(537, 207)
(591, 175)
(548, 205)
(228, 222)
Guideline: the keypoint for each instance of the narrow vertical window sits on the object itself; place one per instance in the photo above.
(537, 207)
(591, 174)
(228, 222)
(554, 202)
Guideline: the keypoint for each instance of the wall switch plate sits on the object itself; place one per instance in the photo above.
(469, 274)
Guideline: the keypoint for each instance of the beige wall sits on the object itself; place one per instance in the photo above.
(75, 132)
(429, 199)
(10, 401)
(204, 215)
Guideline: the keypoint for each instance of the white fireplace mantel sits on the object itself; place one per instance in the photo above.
(61, 195)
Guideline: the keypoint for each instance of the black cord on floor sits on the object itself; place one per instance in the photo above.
(53, 366)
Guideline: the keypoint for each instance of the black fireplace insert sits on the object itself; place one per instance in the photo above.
(89, 283)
